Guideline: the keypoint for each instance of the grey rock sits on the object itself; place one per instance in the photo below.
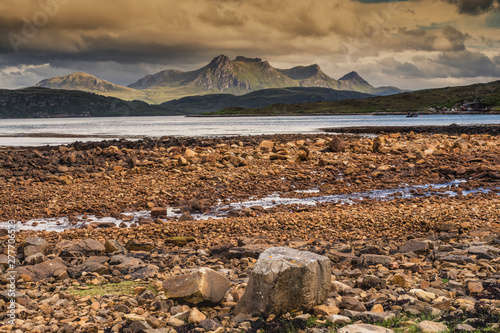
(33, 245)
(87, 247)
(374, 259)
(352, 303)
(337, 145)
(161, 330)
(431, 327)
(484, 252)
(137, 245)
(139, 326)
(199, 285)
(44, 270)
(92, 264)
(458, 259)
(210, 324)
(112, 245)
(35, 259)
(414, 246)
(374, 317)
(371, 281)
(286, 279)
(338, 319)
(465, 327)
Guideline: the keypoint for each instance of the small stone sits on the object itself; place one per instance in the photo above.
(364, 328)
(325, 310)
(132, 317)
(186, 217)
(374, 259)
(112, 245)
(377, 308)
(401, 280)
(266, 145)
(339, 320)
(336, 145)
(195, 316)
(200, 285)
(475, 288)
(464, 327)
(35, 259)
(414, 246)
(210, 324)
(158, 211)
(374, 317)
(431, 327)
(423, 295)
(175, 322)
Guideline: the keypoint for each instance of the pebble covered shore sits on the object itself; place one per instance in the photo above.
(424, 262)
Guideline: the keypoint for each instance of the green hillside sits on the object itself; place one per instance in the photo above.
(488, 94)
(38, 102)
(259, 98)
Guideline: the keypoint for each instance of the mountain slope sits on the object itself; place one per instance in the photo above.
(488, 94)
(221, 75)
(37, 102)
(259, 98)
(89, 83)
(311, 76)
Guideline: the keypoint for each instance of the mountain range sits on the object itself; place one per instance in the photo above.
(222, 75)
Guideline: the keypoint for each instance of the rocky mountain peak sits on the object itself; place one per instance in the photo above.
(219, 61)
(352, 76)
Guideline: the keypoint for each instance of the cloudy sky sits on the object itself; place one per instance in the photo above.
(410, 44)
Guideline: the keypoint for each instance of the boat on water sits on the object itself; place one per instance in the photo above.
(412, 114)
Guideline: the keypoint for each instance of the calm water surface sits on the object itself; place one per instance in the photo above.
(38, 132)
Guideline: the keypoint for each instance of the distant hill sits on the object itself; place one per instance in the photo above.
(222, 75)
(259, 98)
(488, 94)
(89, 83)
(36, 102)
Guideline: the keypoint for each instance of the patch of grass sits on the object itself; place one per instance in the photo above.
(122, 288)
(311, 322)
(396, 324)
(180, 240)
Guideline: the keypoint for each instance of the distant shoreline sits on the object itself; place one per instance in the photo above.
(381, 113)
(492, 129)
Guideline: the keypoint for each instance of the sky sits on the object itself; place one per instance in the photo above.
(413, 44)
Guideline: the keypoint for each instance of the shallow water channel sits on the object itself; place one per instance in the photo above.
(449, 189)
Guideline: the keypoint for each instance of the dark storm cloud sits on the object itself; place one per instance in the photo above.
(468, 64)
(396, 68)
(123, 40)
(473, 7)
(447, 39)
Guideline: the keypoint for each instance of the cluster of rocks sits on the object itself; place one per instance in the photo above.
(188, 287)
(318, 268)
(150, 173)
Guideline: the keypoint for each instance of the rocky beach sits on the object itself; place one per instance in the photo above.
(368, 231)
